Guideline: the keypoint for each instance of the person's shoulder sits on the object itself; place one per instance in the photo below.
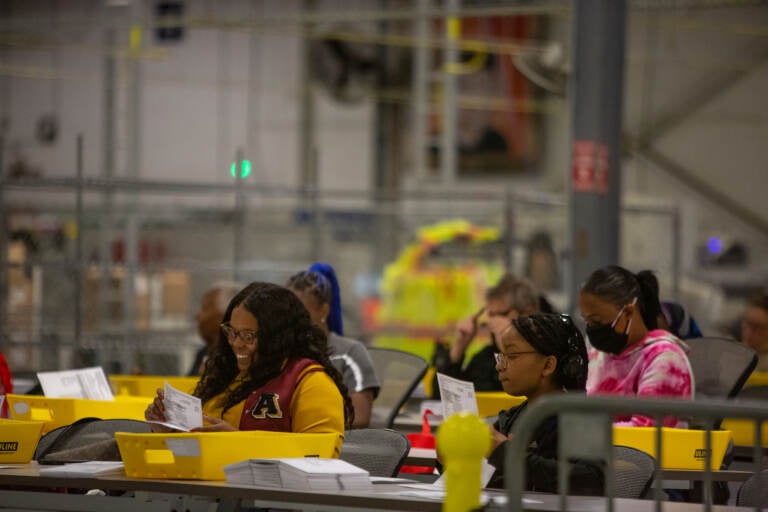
(341, 344)
(662, 343)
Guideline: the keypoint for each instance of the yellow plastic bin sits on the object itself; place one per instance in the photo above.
(147, 385)
(18, 440)
(757, 379)
(681, 448)
(489, 403)
(744, 431)
(56, 412)
(201, 455)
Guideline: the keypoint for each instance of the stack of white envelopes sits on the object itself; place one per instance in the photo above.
(305, 473)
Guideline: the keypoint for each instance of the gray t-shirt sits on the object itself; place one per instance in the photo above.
(351, 358)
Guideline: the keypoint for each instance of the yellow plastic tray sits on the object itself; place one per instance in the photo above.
(18, 440)
(147, 385)
(744, 431)
(56, 412)
(757, 379)
(681, 448)
(489, 403)
(201, 455)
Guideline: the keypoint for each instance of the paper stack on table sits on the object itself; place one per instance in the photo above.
(83, 469)
(303, 473)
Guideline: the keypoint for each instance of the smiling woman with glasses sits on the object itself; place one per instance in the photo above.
(540, 354)
(270, 370)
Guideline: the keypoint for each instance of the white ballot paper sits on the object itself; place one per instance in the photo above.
(182, 411)
(90, 383)
(456, 395)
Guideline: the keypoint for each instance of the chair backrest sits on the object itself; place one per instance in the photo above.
(399, 373)
(379, 451)
(754, 491)
(720, 366)
(754, 393)
(633, 472)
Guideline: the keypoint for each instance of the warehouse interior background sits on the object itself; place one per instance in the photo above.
(149, 149)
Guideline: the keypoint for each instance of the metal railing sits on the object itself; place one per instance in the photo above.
(589, 436)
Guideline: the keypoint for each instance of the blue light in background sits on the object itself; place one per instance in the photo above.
(714, 245)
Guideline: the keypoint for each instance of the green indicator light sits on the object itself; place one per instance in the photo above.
(233, 170)
(245, 168)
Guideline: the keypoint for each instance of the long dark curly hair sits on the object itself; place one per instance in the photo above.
(285, 332)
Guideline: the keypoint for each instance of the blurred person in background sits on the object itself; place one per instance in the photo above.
(754, 328)
(510, 297)
(269, 371)
(318, 289)
(208, 318)
(631, 356)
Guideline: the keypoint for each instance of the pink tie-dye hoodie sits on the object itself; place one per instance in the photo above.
(657, 366)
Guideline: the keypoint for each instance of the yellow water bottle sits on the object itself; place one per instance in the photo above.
(462, 440)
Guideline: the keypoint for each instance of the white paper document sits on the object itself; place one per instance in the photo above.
(182, 411)
(486, 472)
(456, 395)
(90, 383)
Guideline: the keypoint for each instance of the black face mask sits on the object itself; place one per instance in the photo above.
(605, 339)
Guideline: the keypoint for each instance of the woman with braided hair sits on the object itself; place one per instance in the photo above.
(318, 289)
(540, 354)
(269, 370)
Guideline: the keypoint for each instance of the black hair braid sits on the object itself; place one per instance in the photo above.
(557, 335)
(285, 332)
(312, 281)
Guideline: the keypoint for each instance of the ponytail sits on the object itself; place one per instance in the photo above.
(334, 320)
(650, 307)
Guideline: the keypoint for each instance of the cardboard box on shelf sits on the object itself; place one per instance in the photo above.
(175, 290)
(107, 298)
(20, 292)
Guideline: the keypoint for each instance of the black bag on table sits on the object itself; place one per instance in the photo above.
(85, 440)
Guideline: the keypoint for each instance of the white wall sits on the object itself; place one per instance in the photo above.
(674, 59)
(202, 99)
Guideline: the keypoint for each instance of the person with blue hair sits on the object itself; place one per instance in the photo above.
(318, 290)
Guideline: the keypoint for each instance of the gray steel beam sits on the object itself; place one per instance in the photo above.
(599, 34)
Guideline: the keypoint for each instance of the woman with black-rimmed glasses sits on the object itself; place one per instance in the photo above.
(540, 354)
(269, 370)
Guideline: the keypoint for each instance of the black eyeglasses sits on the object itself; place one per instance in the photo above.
(248, 336)
(503, 359)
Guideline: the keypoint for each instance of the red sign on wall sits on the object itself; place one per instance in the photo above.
(583, 165)
(589, 171)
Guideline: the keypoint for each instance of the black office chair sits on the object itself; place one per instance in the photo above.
(754, 492)
(381, 452)
(633, 472)
(399, 373)
(721, 366)
(753, 393)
